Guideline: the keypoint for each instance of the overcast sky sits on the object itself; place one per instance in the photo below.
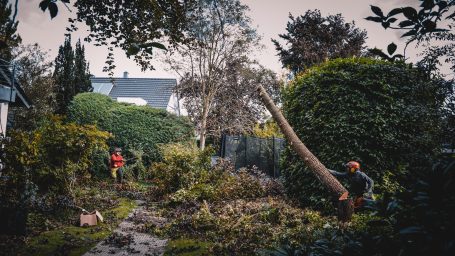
(268, 16)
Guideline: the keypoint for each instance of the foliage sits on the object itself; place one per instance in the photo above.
(167, 20)
(181, 167)
(33, 73)
(431, 22)
(133, 127)
(417, 221)
(8, 28)
(268, 129)
(90, 108)
(385, 115)
(54, 156)
(186, 247)
(312, 39)
(69, 239)
(71, 74)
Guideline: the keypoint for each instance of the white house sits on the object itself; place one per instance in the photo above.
(11, 94)
(154, 92)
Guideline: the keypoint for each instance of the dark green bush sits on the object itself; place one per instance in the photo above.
(133, 127)
(385, 115)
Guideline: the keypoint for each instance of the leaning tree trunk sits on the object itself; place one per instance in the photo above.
(345, 204)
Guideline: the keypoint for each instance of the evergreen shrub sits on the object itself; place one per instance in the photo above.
(385, 115)
(133, 127)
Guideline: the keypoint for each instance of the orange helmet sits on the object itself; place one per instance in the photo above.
(352, 166)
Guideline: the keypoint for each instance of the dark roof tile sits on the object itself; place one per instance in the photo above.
(156, 91)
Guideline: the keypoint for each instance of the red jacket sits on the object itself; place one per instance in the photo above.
(116, 161)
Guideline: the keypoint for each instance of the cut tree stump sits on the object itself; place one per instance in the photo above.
(338, 191)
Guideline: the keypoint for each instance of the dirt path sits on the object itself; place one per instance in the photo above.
(128, 239)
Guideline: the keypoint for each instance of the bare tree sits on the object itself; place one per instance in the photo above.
(222, 35)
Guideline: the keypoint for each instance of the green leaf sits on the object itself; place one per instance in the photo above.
(427, 4)
(385, 24)
(44, 4)
(429, 25)
(406, 23)
(377, 11)
(410, 13)
(392, 20)
(53, 9)
(395, 12)
(133, 49)
(158, 45)
(375, 19)
(391, 48)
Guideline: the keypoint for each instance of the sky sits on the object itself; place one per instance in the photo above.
(268, 16)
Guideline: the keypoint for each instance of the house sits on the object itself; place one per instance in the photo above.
(11, 94)
(153, 92)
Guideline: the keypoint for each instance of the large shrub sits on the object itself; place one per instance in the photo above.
(133, 127)
(384, 115)
(54, 156)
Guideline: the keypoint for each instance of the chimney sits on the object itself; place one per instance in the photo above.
(125, 74)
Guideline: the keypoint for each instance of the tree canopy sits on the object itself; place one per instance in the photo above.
(218, 77)
(71, 74)
(8, 27)
(312, 39)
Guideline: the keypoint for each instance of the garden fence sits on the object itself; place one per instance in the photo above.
(245, 151)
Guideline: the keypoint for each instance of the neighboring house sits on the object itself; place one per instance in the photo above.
(154, 92)
(11, 94)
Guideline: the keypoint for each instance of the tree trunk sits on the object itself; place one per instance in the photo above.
(203, 129)
(340, 193)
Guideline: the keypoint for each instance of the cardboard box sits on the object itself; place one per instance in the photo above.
(90, 218)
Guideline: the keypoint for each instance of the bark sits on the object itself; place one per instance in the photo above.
(338, 191)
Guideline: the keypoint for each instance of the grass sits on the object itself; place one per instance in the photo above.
(187, 247)
(72, 240)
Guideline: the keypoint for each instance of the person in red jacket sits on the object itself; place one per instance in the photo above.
(117, 163)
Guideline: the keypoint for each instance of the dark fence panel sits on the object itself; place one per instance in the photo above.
(245, 151)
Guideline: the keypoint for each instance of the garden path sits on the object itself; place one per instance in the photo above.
(129, 237)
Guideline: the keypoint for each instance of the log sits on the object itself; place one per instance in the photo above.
(336, 189)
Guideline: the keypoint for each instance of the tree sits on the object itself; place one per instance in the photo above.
(134, 26)
(81, 81)
(71, 74)
(431, 22)
(345, 207)
(387, 116)
(8, 37)
(215, 69)
(34, 74)
(312, 39)
(429, 26)
(64, 76)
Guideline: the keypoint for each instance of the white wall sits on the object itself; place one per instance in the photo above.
(3, 118)
(176, 107)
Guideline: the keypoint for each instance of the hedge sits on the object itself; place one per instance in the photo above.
(384, 115)
(133, 127)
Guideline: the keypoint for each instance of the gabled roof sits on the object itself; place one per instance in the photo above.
(156, 91)
(5, 80)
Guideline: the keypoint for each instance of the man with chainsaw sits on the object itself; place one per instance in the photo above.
(361, 186)
(117, 163)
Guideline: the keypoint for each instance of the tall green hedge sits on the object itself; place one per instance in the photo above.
(384, 115)
(133, 127)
